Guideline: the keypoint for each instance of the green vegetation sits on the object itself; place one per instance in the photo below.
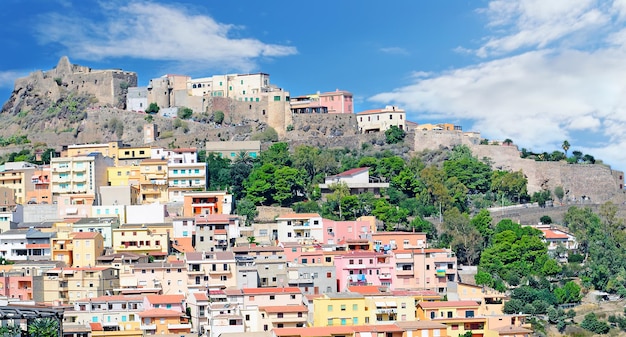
(153, 108)
(184, 113)
(181, 124)
(394, 135)
(218, 117)
(592, 324)
(116, 126)
(43, 327)
(269, 135)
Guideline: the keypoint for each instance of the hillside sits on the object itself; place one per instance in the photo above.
(73, 104)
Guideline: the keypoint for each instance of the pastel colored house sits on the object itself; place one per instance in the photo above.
(20, 177)
(300, 227)
(22, 245)
(140, 240)
(215, 232)
(156, 277)
(103, 225)
(164, 321)
(115, 313)
(153, 181)
(82, 174)
(41, 193)
(341, 231)
(283, 316)
(211, 270)
(423, 269)
(213, 202)
(16, 284)
(270, 264)
(491, 301)
(77, 249)
(363, 268)
(380, 120)
(341, 309)
(65, 285)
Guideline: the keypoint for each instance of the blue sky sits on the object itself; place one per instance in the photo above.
(535, 71)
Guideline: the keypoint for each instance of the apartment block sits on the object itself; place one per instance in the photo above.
(79, 175)
(29, 244)
(212, 202)
(233, 149)
(18, 176)
(66, 285)
(77, 249)
(153, 181)
(300, 227)
(216, 232)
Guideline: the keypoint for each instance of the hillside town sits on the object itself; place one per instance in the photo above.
(129, 240)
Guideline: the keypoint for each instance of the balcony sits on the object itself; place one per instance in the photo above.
(386, 311)
(195, 272)
(384, 276)
(148, 326)
(179, 326)
(402, 272)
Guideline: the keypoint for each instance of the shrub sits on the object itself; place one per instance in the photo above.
(394, 135)
(153, 108)
(58, 80)
(218, 117)
(269, 135)
(184, 113)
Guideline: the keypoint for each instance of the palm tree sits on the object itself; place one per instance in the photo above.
(43, 327)
(565, 147)
(251, 240)
(507, 142)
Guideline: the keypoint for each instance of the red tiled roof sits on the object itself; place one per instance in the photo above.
(37, 245)
(551, 234)
(284, 308)
(84, 235)
(114, 298)
(352, 172)
(219, 231)
(158, 312)
(96, 326)
(165, 299)
(274, 290)
(447, 304)
(365, 289)
(183, 245)
(201, 296)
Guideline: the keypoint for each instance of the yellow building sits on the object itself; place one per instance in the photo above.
(66, 285)
(18, 177)
(153, 181)
(491, 301)
(162, 321)
(334, 309)
(140, 240)
(79, 175)
(109, 149)
(123, 175)
(77, 249)
(133, 155)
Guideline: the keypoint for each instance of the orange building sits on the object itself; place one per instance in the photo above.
(207, 203)
(163, 321)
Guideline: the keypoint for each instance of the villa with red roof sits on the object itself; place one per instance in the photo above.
(358, 181)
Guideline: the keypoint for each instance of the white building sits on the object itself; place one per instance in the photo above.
(358, 181)
(300, 227)
(137, 99)
(379, 120)
(22, 245)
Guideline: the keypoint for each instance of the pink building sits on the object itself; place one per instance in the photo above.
(338, 102)
(16, 284)
(340, 231)
(423, 269)
(363, 268)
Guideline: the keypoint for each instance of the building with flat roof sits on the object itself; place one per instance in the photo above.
(380, 120)
(232, 149)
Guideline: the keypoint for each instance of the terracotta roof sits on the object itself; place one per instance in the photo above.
(214, 218)
(298, 216)
(447, 304)
(551, 234)
(201, 296)
(165, 299)
(420, 325)
(158, 312)
(84, 235)
(284, 308)
(365, 289)
(96, 326)
(274, 290)
(352, 172)
(183, 245)
(335, 330)
(219, 231)
(37, 245)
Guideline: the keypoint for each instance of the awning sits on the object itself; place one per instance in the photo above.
(381, 304)
(392, 304)
(71, 210)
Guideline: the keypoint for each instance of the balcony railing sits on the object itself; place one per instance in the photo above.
(179, 326)
(148, 326)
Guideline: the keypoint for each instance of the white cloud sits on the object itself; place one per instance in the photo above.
(8, 77)
(151, 31)
(538, 23)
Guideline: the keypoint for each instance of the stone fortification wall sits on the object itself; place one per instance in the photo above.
(598, 183)
(433, 139)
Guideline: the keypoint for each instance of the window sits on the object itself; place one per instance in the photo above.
(355, 321)
(432, 315)
(469, 313)
(343, 307)
(330, 308)
(455, 327)
(276, 98)
(343, 321)
(449, 314)
(329, 275)
(355, 307)
(330, 322)
(390, 116)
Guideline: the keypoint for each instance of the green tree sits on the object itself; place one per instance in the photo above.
(288, 185)
(184, 113)
(424, 226)
(591, 323)
(43, 327)
(153, 108)
(247, 208)
(565, 147)
(482, 222)
(218, 117)
(467, 242)
(559, 193)
(394, 135)
(339, 191)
